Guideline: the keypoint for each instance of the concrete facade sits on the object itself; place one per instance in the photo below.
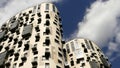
(82, 53)
(33, 38)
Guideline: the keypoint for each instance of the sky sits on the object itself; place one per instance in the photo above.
(96, 20)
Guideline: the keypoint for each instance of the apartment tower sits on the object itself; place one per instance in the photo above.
(82, 53)
(33, 38)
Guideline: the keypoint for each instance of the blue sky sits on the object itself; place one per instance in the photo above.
(72, 13)
(97, 20)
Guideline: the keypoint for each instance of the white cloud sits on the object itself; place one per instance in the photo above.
(101, 24)
(9, 8)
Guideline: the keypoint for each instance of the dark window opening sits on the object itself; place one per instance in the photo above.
(34, 49)
(16, 58)
(88, 58)
(72, 63)
(47, 23)
(47, 16)
(37, 29)
(32, 19)
(7, 64)
(47, 55)
(30, 11)
(26, 47)
(60, 19)
(24, 14)
(11, 52)
(26, 18)
(7, 48)
(53, 8)
(10, 39)
(38, 14)
(37, 38)
(60, 49)
(67, 66)
(1, 48)
(85, 50)
(23, 58)
(39, 20)
(59, 54)
(56, 41)
(91, 45)
(34, 63)
(47, 31)
(21, 23)
(35, 52)
(68, 49)
(65, 56)
(57, 37)
(19, 44)
(57, 32)
(59, 61)
(47, 42)
(21, 18)
(58, 67)
(71, 55)
(83, 45)
(55, 23)
(80, 59)
(21, 64)
(15, 41)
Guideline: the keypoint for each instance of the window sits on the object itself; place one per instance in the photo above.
(57, 37)
(38, 14)
(27, 31)
(39, 20)
(47, 65)
(72, 46)
(53, 8)
(47, 41)
(46, 56)
(57, 41)
(37, 37)
(59, 61)
(47, 16)
(91, 45)
(87, 44)
(47, 6)
(85, 50)
(59, 54)
(19, 44)
(67, 47)
(72, 63)
(58, 67)
(58, 33)
(26, 46)
(30, 11)
(37, 28)
(47, 23)
(55, 23)
(47, 31)
(15, 40)
(32, 19)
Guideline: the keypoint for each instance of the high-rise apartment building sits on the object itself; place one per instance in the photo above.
(33, 38)
(82, 53)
